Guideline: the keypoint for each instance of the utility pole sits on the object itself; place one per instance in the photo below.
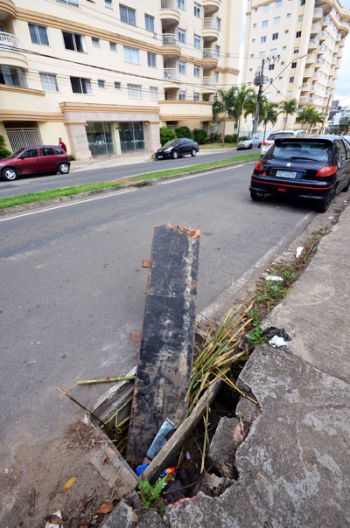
(258, 81)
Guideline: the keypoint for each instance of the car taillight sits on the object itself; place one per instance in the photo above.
(265, 144)
(259, 166)
(325, 172)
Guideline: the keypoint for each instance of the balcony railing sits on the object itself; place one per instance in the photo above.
(7, 40)
(171, 74)
(211, 23)
(318, 12)
(169, 39)
(210, 53)
(209, 81)
(168, 4)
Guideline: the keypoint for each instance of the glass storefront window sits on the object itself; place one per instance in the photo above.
(131, 136)
(100, 139)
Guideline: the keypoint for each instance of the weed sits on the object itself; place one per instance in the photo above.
(256, 336)
(148, 493)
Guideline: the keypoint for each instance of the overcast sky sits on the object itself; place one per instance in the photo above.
(342, 87)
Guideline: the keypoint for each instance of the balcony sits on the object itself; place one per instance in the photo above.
(10, 54)
(210, 58)
(171, 76)
(313, 44)
(169, 13)
(309, 73)
(170, 45)
(316, 28)
(211, 6)
(7, 9)
(306, 87)
(211, 28)
(209, 85)
(185, 110)
(318, 13)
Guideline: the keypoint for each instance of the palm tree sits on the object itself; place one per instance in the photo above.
(245, 100)
(309, 116)
(268, 114)
(224, 104)
(288, 108)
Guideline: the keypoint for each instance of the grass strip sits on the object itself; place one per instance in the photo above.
(26, 199)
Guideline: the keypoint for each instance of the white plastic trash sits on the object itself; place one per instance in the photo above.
(274, 278)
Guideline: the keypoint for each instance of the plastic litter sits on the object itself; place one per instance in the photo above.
(272, 331)
(274, 278)
(161, 438)
(54, 520)
(140, 469)
(277, 342)
(299, 251)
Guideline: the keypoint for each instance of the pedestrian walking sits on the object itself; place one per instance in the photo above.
(61, 144)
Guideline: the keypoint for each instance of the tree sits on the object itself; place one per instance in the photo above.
(344, 124)
(166, 134)
(245, 99)
(224, 104)
(309, 116)
(268, 114)
(288, 108)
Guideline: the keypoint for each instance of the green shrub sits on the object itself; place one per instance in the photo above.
(200, 135)
(230, 138)
(183, 132)
(214, 137)
(4, 152)
(71, 157)
(166, 134)
(243, 138)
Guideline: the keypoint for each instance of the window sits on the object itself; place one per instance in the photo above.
(153, 93)
(271, 66)
(134, 91)
(182, 95)
(131, 55)
(294, 65)
(289, 15)
(278, 4)
(49, 82)
(197, 10)
(298, 34)
(264, 23)
(113, 46)
(30, 153)
(117, 85)
(261, 54)
(151, 59)
(274, 36)
(300, 18)
(286, 31)
(70, 2)
(254, 25)
(108, 3)
(12, 76)
(47, 151)
(127, 15)
(266, 8)
(196, 96)
(276, 21)
(95, 42)
(74, 42)
(101, 83)
(263, 39)
(181, 4)
(80, 85)
(182, 68)
(38, 34)
(181, 35)
(273, 52)
(149, 23)
(197, 41)
(196, 71)
(302, 2)
(296, 50)
(291, 79)
(253, 40)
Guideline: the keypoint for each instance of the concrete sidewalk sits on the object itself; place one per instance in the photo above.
(294, 465)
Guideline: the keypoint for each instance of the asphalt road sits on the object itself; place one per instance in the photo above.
(92, 175)
(72, 287)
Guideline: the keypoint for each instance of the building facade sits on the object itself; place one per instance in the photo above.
(301, 42)
(105, 75)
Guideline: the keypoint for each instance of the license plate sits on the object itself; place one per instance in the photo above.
(160, 156)
(286, 174)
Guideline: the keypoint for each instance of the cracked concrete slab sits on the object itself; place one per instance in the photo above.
(294, 465)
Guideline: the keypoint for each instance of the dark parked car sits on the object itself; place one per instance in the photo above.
(315, 168)
(35, 160)
(177, 148)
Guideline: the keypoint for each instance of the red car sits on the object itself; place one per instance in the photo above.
(35, 160)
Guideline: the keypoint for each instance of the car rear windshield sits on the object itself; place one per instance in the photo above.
(277, 135)
(299, 150)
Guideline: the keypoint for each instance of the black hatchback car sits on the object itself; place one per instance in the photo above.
(315, 168)
(177, 148)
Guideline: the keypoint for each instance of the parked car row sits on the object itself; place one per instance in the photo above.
(41, 159)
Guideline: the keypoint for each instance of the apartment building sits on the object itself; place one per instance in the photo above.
(302, 43)
(105, 75)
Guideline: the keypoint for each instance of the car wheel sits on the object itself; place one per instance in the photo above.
(194, 153)
(63, 168)
(256, 196)
(347, 187)
(10, 174)
(322, 206)
(174, 154)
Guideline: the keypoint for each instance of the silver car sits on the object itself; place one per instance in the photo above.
(249, 143)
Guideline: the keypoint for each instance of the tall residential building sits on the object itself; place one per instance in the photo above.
(302, 43)
(104, 75)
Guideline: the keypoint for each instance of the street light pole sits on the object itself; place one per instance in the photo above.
(258, 81)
